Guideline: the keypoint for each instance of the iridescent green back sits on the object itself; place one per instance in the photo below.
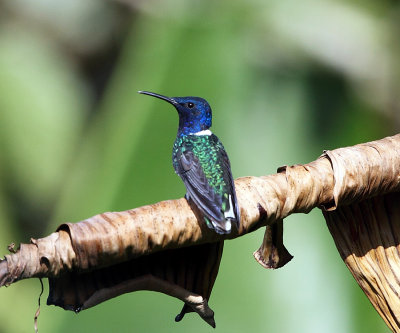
(203, 165)
(209, 151)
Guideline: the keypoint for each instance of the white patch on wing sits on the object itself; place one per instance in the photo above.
(230, 214)
(228, 226)
(204, 132)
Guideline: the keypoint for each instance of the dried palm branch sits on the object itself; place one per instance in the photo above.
(164, 247)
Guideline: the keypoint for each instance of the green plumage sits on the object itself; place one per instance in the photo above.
(203, 165)
(208, 150)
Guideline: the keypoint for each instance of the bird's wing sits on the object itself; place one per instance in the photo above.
(231, 200)
(198, 187)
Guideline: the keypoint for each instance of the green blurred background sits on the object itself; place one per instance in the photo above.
(285, 79)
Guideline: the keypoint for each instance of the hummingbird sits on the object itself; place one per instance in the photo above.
(200, 159)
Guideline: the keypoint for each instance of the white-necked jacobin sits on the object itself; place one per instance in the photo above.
(200, 159)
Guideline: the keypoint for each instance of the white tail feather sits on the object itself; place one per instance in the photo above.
(230, 214)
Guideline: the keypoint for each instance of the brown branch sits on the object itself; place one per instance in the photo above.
(120, 236)
(86, 249)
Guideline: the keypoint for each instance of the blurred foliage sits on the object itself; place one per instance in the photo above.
(285, 79)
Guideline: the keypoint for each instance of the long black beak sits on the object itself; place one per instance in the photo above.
(165, 98)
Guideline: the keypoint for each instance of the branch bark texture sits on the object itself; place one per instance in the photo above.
(336, 182)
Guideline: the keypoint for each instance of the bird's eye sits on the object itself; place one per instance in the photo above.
(190, 105)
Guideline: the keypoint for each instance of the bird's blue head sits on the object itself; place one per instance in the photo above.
(194, 112)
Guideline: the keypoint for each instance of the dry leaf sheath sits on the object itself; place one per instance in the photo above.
(157, 247)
